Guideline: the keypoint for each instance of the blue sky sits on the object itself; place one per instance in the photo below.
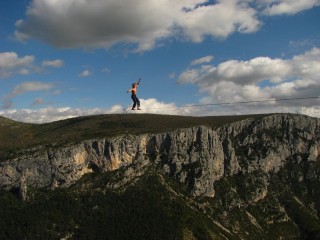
(67, 58)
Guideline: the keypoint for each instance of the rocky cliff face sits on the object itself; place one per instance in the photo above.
(253, 178)
(197, 157)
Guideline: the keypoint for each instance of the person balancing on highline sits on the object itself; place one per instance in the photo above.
(135, 99)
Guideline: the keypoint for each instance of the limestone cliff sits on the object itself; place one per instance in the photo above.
(196, 157)
(257, 178)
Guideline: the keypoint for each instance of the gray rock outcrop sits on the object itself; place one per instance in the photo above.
(196, 157)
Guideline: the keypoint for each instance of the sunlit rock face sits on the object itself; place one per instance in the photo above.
(196, 157)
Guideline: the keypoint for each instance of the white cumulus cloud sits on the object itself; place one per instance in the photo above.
(202, 60)
(24, 88)
(30, 87)
(11, 63)
(85, 73)
(53, 63)
(260, 78)
(276, 7)
(104, 23)
(143, 24)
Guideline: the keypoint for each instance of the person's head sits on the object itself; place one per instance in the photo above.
(134, 85)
